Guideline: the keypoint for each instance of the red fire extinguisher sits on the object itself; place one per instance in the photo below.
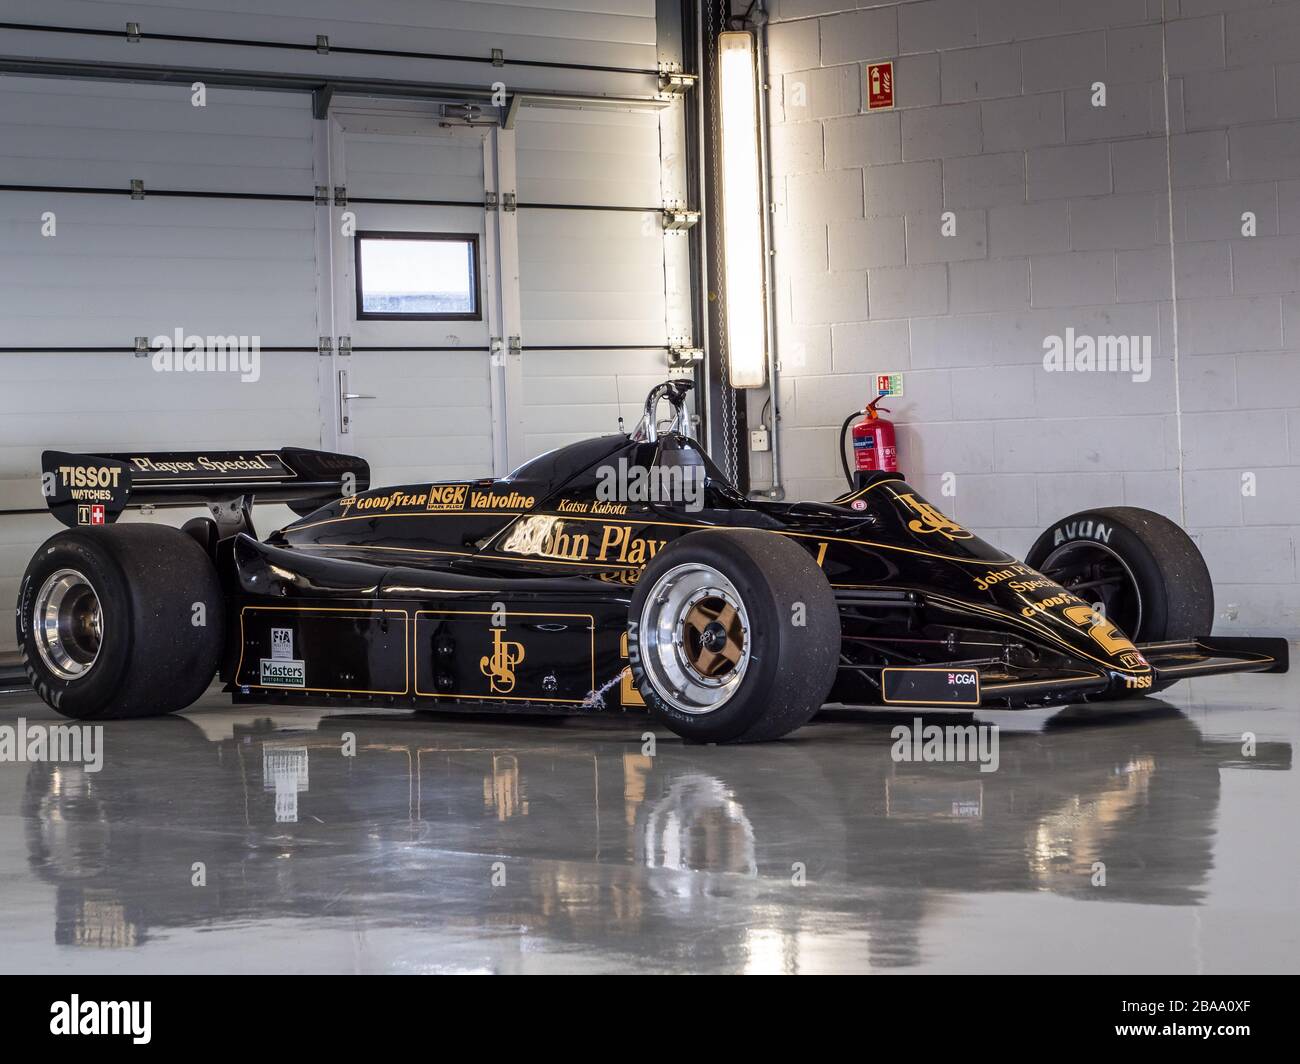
(874, 446)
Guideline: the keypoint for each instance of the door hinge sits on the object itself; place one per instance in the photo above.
(322, 195)
(340, 195)
(514, 345)
(490, 201)
(137, 188)
(678, 219)
(345, 345)
(674, 82)
(325, 346)
(509, 202)
(685, 356)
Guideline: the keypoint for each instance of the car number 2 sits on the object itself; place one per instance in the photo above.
(1106, 635)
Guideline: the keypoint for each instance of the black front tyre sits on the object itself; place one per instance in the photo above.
(120, 621)
(1144, 569)
(733, 636)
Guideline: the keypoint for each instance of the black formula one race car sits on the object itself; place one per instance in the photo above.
(618, 573)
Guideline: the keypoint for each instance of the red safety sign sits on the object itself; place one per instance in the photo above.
(880, 85)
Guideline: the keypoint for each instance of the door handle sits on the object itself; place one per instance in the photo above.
(345, 397)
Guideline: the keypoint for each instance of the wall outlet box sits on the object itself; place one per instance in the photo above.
(758, 440)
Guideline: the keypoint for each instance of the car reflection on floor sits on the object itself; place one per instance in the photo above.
(396, 821)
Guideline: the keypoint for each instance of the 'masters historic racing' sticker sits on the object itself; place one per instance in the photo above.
(290, 673)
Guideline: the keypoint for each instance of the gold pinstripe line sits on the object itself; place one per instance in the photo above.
(672, 524)
(356, 546)
(862, 491)
(420, 513)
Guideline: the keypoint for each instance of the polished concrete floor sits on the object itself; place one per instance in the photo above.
(250, 841)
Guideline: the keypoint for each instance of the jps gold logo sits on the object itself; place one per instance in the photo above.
(499, 666)
(931, 520)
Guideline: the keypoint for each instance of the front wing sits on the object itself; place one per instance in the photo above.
(982, 683)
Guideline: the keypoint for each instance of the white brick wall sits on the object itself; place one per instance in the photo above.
(1064, 216)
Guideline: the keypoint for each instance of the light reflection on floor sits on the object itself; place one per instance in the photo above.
(454, 844)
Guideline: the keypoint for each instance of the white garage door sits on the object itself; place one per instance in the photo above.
(596, 307)
(228, 240)
(82, 272)
(424, 406)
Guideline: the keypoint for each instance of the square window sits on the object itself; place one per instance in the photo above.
(417, 276)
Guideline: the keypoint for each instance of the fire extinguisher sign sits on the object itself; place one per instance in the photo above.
(889, 384)
(880, 86)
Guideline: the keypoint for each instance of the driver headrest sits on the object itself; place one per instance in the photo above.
(675, 450)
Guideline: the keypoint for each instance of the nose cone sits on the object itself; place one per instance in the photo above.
(1065, 620)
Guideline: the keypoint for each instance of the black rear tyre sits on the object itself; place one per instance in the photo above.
(1146, 571)
(733, 636)
(120, 621)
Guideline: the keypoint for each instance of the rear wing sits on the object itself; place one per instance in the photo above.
(94, 489)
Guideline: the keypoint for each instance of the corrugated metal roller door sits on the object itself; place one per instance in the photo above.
(116, 268)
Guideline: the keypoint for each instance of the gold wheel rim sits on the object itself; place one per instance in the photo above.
(713, 637)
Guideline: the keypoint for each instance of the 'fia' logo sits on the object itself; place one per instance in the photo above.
(931, 520)
(499, 666)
